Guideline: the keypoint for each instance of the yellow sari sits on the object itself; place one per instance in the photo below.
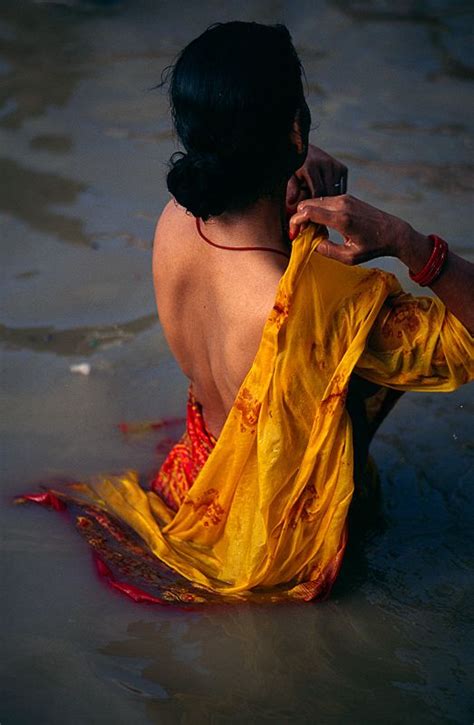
(268, 511)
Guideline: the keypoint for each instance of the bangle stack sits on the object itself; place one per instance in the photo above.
(434, 266)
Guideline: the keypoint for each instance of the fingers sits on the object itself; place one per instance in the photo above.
(336, 180)
(318, 211)
(309, 179)
(312, 180)
(295, 194)
(346, 253)
(340, 252)
(334, 211)
(324, 174)
(296, 224)
(368, 232)
(345, 180)
(292, 192)
(334, 176)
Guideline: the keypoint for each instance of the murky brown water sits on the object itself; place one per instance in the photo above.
(83, 150)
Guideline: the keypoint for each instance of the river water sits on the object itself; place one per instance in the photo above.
(84, 145)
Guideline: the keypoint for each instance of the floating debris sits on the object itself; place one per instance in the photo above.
(81, 368)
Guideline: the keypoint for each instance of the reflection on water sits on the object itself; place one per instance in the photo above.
(77, 341)
(439, 18)
(28, 196)
(54, 143)
(40, 75)
(131, 135)
(443, 129)
(28, 274)
(84, 147)
(186, 665)
(405, 11)
(448, 178)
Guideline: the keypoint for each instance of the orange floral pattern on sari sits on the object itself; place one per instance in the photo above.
(249, 409)
(207, 507)
(402, 319)
(280, 310)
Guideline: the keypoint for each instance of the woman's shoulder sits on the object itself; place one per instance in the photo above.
(173, 220)
(173, 227)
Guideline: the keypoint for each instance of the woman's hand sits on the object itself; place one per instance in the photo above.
(368, 232)
(320, 175)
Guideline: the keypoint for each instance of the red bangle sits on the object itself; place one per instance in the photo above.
(435, 263)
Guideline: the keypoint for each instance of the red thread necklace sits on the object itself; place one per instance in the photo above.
(238, 249)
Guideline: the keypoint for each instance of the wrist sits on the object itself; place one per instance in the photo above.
(413, 248)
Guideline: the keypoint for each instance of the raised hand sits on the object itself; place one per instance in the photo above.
(320, 175)
(368, 232)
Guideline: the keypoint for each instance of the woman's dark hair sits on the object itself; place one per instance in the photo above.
(235, 92)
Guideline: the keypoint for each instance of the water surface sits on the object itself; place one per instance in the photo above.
(84, 149)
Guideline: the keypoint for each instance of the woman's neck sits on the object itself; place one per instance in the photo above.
(261, 225)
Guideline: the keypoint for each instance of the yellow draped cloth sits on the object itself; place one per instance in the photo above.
(268, 511)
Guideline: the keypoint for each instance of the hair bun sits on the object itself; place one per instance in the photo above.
(198, 182)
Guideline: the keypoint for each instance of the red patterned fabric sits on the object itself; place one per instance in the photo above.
(186, 458)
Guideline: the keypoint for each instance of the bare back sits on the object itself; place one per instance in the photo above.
(212, 305)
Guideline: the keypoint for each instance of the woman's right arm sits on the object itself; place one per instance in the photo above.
(416, 343)
(369, 233)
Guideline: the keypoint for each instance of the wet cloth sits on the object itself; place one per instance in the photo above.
(266, 514)
(186, 458)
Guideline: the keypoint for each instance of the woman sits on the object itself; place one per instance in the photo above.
(292, 353)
